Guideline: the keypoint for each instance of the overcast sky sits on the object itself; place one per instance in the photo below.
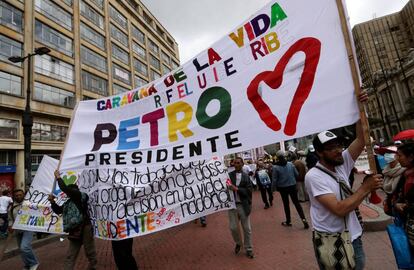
(196, 24)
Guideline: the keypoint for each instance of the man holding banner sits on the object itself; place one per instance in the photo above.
(242, 187)
(334, 206)
(80, 235)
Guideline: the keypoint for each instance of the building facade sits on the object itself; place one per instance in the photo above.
(98, 48)
(384, 49)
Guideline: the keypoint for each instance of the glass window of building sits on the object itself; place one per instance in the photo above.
(46, 132)
(138, 34)
(11, 16)
(93, 59)
(68, 2)
(174, 65)
(121, 74)
(9, 129)
(55, 68)
(119, 35)
(94, 83)
(120, 54)
(50, 94)
(160, 31)
(165, 58)
(7, 157)
(92, 36)
(10, 84)
(53, 39)
(119, 89)
(147, 19)
(140, 67)
(9, 47)
(139, 81)
(152, 46)
(138, 49)
(171, 42)
(155, 62)
(54, 12)
(165, 69)
(92, 15)
(118, 17)
(154, 75)
(98, 3)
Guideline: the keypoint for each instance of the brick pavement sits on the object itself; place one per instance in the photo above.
(190, 246)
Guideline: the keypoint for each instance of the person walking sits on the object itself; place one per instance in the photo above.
(264, 183)
(24, 238)
(300, 181)
(122, 252)
(334, 207)
(5, 203)
(76, 222)
(284, 180)
(241, 185)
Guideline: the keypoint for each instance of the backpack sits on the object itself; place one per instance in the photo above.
(73, 214)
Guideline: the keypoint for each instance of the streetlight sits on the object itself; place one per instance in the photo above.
(27, 114)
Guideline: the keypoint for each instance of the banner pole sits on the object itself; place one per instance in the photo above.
(357, 87)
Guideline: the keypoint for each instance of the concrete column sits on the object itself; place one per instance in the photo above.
(19, 176)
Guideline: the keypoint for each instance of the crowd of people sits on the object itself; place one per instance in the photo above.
(322, 177)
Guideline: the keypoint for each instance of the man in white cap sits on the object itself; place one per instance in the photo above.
(311, 157)
(334, 207)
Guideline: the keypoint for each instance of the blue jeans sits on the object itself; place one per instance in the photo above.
(24, 242)
(359, 254)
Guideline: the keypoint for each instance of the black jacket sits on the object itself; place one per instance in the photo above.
(244, 191)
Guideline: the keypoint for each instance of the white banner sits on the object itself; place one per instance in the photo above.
(36, 213)
(282, 74)
(131, 202)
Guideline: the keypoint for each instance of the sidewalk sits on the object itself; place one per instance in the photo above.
(190, 246)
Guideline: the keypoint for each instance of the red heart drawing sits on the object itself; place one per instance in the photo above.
(312, 49)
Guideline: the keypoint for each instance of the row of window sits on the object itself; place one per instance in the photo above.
(9, 47)
(9, 129)
(54, 12)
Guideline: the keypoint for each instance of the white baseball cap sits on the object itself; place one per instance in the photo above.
(323, 138)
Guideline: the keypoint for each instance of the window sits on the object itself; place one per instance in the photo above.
(138, 34)
(9, 129)
(155, 62)
(119, 35)
(119, 89)
(147, 19)
(7, 158)
(121, 74)
(138, 49)
(10, 84)
(140, 67)
(165, 58)
(68, 2)
(9, 47)
(159, 31)
(170, 41)
(118, 17)
(165, 69)
(46, 132)
(53, 38)
(99, 3)
(91, 14)
(139, 81)
(54, 12)
(93, 59)
(174, 65)
(94, 83)
(50, 94)
(152, 46)
(92, 36)
(11, 16)
(154, 75)
(55, 68)
(120, 54)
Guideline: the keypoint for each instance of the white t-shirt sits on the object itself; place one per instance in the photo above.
(319, 183)
(5, 201)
